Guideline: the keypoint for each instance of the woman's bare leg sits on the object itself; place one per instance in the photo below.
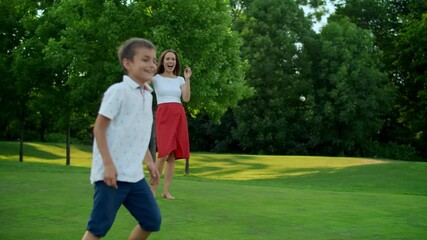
(169, 171)
(160, 163)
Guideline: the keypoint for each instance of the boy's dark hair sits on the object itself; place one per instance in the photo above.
(161, 67)
(127, 49)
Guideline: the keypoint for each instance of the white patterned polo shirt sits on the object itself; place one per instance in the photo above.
(129, 107)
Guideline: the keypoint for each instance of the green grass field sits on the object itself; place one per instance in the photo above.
(231, 197)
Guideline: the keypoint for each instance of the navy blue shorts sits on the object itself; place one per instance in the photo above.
(136, 197)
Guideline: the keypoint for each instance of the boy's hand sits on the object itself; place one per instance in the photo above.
(110, 176)
(154, 173)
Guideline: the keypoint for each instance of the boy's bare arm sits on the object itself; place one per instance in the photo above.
(100, 130)
(151, 166)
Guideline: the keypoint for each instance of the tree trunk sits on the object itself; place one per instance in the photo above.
(21, 140)
(21, 144)
(187, 166)
(42, 128)
(68, 157)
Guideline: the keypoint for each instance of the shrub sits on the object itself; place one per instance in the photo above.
(392, 151)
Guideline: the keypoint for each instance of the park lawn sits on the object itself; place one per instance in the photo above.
(224, 197)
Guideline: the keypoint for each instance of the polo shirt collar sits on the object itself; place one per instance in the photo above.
(131, 83)
(148, 88)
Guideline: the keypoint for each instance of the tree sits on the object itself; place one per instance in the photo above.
(22, 59)
(14, 20)
(412, 64)
(73, 44)
(216, 136)
(390, 22)
(95, 29)
(200, 31)
(352, 93)
(274, 120)
(10, 33)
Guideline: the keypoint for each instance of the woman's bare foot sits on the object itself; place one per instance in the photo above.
(168, 196)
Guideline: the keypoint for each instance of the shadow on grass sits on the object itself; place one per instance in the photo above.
(56, 151)
(83, 148)
(13, 166)
(387, 177)
(11, 149)
(243, 161)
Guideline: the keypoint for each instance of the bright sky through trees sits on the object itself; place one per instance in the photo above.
(317, 25)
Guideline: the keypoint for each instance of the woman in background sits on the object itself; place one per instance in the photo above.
(171, 121)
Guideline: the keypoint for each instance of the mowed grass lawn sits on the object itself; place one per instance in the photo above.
(224, 197)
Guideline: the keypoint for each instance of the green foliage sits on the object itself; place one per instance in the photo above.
(84, 53)
(273, 120)
(64, 56)
(56, 138)
(58, 57)
(200, 31)
(216, 136)
(397, 27)
(352, 93)
(391, 151)
(15, 17)
(412, 65)
(87, 48)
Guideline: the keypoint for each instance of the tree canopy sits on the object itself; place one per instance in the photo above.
(352, 92)
(263, 80)
(274, 34)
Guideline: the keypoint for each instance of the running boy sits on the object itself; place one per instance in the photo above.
(122, 133)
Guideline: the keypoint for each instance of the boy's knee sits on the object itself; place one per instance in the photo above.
(153, 225)
(98, 231)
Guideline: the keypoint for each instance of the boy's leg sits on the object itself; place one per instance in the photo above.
(89, 236)
(139, 234)
(143, 206)
(106, 203)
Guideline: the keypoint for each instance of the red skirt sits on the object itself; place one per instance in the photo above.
(172, 131)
